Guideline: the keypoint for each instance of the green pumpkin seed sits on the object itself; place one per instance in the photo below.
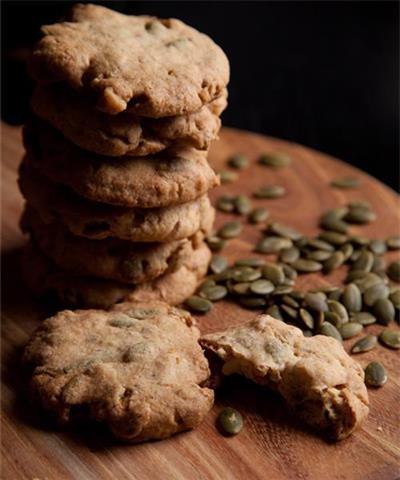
(230, 230)
(225, 204)
(395, 298)
(252, 302)
(333, 262)
(345, 182)
(242, 205)
(289, 255)
(306, 266)
(242, 288)
(298, 295)
(394, 271)
(319, 255)
(250, 262)
(390, 338)
(355, 275)
(308, 333)
(351, 298)
(320, 245)
(350, 330)
(347, 250)
(284, 231)
(365, 318)
(290, 301)
(360, 216)
(228, 177)
(365, 344)
(273, 244)
(261, 287)
(393, 243)
(340, 310)
(336, 294)
(289, 311)
(282, 290)
(333, 318)
(334, 238)
(306, 318)
(225, 275)
(218, 264)
(364, 261)
(379, 265)
(215, 243)
(275, 159)
(208, 282)
(290, 273)
(378, 247)
(198, 304)
(270, 191)
(368, 281)
(329, 330)
(316, 301)
(214, 293)
(238, 161)
(274, 273)
(230, 420)
(384, 311)
(359, 241)
(246, 274)
(274, 311)
(372, 294)
(375, 375)
(359, 203)
(333, 224)
(259, 214)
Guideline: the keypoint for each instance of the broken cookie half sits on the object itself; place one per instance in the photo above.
(137, 367)
(315, 376)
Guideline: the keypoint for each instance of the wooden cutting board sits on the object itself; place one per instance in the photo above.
(273, 444)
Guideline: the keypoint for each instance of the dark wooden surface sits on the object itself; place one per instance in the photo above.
(272, 444)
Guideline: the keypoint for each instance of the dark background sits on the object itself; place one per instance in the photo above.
(324, 74)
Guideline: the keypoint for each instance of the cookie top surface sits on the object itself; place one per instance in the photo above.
(315, 375)
(146, 182)
(125, 133)
(142, 64)
(137, 367)
(55, 202)
(111, 258)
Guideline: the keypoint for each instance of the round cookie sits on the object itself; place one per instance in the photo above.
(98, 221)
(126, 133)
(170, 178)
(71, 291)
(111, 258)
(142, 64)
(138, 368)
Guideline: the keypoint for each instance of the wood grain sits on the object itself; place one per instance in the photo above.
(272, 444)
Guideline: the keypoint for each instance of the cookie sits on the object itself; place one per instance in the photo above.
(98, 221)
(137, 367)
(126, 133)
(145, 65)
(315, 376)
(111, 258)
(71, 291)
(145, 182)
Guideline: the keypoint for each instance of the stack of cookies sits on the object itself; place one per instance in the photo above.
(115, 173)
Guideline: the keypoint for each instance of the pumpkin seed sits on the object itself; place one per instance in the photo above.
(316, 301)
(333, 224)
(378, 247)
(390, 338)
(273, 244)
(334, 238)
(282, 290)
(259, 214)
(214, 293)
(250, 262)
(365, 344)
(298, 295)
(261, 287)
(336, 294)
(340, 310)
(290, 301)
(307, 333)
(395, 298)
(384, 311)
(238, 161)
(372, 294)
(290, 311)
(333, 318)
(284, 231)
(359, 241)
(290, 273)
(329, 330)
(230, 420)
(198, 304)
(246, 274)
(270, 191)
(225, 204)
(318, 244)
(252, 302)
(230, 230)
(274, 273)
(364, 261)
(274, 311)
(368, 281)
(351, 298)
(289, 255)
(347, 250)
(275, 159)
(393, 243)
(365, 318)
(333, 262)
(242, 205)
(208, 282)
(228, 177)
(394, 271)
(355, 275)
(375, 375)
(319, 255)
(215, 243)
(306, 318)
(360, 216)
(242, 288)
(225, 275)
(359, 203)
(379, 264)
(218, 264)
(306, 266)
(345, 182)
(350, 330)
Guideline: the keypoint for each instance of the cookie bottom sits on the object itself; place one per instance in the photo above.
(70, 291)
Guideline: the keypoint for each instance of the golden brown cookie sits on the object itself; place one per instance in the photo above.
(142, 64)
(111, 258)
(315, 376)
(126, 133)
(82, 217)
(138, 368)
(169, 178)
(67, 290)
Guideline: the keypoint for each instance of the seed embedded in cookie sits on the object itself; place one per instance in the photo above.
(138, 368)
